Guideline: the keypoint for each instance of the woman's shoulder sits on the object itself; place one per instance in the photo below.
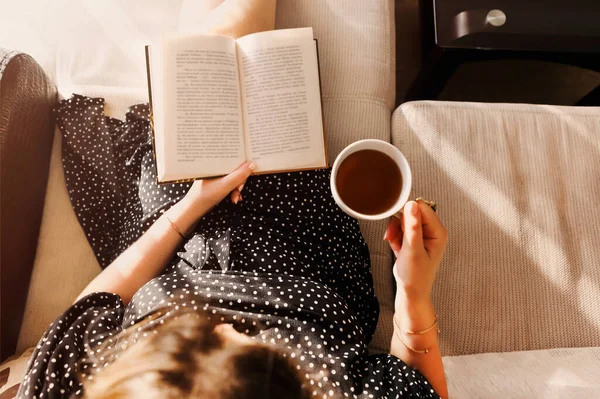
(54, 365)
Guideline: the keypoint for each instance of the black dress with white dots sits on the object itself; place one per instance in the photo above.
(284, 266)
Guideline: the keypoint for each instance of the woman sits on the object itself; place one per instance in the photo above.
(206, 294)
(269, 295)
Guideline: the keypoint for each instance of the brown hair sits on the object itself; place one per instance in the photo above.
(182, 356)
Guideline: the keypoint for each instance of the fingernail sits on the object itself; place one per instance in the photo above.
(239, 197)
(385, 236)
(235, 199)
(413, 208)
(252, 166)
(241, 187)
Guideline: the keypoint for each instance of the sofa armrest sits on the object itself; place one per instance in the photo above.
(27, 97)
(517, 186)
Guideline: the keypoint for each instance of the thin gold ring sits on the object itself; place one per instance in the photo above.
(431, 204)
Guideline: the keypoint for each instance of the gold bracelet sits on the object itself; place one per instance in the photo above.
(419, 351)
(398, 331)
(174, 227)
(423, 331)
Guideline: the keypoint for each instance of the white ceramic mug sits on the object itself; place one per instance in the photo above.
(392, 152)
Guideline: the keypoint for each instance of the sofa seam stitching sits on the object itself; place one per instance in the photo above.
(499, 110)
(362, 99)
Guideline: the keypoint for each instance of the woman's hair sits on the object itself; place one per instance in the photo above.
(183, 357)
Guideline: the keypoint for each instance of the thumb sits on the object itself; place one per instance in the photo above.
(238, 176)
(413, 229)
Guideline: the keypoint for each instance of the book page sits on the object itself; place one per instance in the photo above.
(202, 127)
(281, 100)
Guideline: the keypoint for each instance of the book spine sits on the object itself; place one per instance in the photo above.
(321, 95)
(151, 116)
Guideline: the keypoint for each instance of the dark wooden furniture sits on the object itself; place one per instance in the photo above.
(459, 31)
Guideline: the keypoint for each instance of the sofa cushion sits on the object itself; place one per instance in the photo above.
(356, 45)
(517, 187)
(550, 374)
(356, 42)
(64, 262)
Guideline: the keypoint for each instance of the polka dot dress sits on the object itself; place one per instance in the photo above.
(285, 266)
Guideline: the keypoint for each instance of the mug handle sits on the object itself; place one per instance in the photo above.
(398, 214)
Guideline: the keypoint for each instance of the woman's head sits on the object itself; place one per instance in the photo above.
(188, 356)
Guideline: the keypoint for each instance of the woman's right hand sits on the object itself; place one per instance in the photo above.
(418, 240)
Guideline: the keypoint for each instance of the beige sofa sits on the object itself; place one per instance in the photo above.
(516, 184)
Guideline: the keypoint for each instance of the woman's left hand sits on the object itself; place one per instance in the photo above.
(205, 194)
(151, 253)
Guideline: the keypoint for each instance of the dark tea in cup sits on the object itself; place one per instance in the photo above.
(369, 182)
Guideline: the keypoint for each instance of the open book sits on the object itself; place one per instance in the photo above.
(217, 102)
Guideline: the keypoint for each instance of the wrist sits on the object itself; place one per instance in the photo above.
(184, 215)
(411, 294)
(412, 314)
(409, 291)
(191, 207)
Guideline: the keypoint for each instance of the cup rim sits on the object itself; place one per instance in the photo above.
(404, 192)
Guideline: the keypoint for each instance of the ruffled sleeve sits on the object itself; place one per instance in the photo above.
(53, 370)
